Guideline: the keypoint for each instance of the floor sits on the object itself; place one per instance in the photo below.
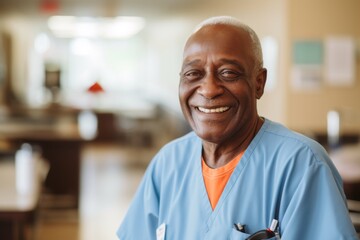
(110, 174)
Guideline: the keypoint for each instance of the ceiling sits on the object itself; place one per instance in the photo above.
(106, 8)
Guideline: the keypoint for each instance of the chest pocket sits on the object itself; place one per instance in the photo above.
(237, 235)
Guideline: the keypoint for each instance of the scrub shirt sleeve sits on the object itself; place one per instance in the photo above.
(318, 208)
(141, 220)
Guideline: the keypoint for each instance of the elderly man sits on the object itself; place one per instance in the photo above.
(237, 175)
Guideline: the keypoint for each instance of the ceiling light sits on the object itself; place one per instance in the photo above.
(119, 27)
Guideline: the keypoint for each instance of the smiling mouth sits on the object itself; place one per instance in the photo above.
(213, 110)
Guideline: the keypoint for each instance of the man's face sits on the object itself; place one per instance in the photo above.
(219, 83)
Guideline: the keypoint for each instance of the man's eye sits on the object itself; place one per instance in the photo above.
(229, 74)
(192, 75)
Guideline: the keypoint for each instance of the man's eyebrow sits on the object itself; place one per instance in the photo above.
(222, 60)
(195, 61)
(232, 62)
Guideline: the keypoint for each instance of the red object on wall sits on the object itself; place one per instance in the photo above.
(49, 6)
(95, 88)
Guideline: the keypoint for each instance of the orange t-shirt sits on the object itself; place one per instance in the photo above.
(215, 179)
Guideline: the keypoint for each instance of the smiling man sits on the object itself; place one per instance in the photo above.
(219, 87)
(237, 175)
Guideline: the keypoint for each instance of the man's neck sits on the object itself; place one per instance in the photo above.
(217, 155)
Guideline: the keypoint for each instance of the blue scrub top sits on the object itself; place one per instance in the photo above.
(282, 175)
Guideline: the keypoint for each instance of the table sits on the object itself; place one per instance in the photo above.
(347, 161)
(60, 145)
(17, 212)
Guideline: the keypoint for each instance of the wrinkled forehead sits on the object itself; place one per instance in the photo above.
(219, 39)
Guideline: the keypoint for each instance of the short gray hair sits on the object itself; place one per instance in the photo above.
(231, 21)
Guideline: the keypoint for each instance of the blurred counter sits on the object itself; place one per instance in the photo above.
(59, 134)
(347, 160)
(55, 133)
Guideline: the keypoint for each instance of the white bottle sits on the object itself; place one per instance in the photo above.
(26, 170)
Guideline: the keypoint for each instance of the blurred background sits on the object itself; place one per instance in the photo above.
(88, 95)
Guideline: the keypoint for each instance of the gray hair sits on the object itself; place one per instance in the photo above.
(231, 21)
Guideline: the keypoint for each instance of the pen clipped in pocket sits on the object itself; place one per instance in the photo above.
(268, 233)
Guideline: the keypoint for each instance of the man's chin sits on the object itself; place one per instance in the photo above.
(209, 135)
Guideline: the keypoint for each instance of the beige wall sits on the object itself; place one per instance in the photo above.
(309, 19)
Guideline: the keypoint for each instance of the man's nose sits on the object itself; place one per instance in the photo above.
(210, 87)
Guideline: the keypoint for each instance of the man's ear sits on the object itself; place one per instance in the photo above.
(260, 82)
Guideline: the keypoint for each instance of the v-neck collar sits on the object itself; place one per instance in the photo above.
(231, 182)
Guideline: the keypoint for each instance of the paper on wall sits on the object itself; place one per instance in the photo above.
(306, 73)
(340, 61)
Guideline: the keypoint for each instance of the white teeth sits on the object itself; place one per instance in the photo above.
(213, 110)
